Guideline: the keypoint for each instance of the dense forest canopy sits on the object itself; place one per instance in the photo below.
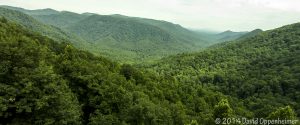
(257, 70)
(46, 80)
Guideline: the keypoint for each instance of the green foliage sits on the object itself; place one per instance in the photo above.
(47, 11)
(14, 14)
(229, 35)
(250, 34)
(121, 38)
(283, 113)
(253, 71)
(223, 110)
(194, 122)
(46, 82)
(126, 39)
(30, 90)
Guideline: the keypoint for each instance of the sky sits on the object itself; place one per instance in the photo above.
(213, 15)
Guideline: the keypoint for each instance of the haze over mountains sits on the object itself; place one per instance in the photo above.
(119, 37)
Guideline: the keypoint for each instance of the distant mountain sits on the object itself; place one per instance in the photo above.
(217, 37)
(250, 34)
(125, 38)
(61, 19)
(44, 79)
(46, 11)
(121, 37)
(116, 36)
(229, 35)
(54, 83)
(182, 33)
(36, 26)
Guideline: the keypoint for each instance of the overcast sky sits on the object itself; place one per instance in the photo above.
(219, 15)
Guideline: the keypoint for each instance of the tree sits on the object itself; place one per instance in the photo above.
(128, 71)
(223, 110)
(193, 122)
(283, 113)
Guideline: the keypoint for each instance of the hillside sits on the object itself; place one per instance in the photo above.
(250, 34)
(61, 19)
(257, 70)
(126, 38)
(229, 35)
(39, 75)
(36, 26)
(47, 11)
(122, 38)
(179, 31)
(44, 82)
(50, 82)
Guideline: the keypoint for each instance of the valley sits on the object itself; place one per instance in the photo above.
(118, 37)
(62, 67)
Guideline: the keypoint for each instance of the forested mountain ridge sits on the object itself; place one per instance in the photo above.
(127, 38)
(229, 35)
(97, 27)
(258, 70)
(61, 19)
(250, 34)
(179, 31)
(43, 81)
(36, 26)
(122, 38)
(47, 11)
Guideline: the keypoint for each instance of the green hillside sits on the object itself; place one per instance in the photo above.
(250, 34)
(125, 38)
(229, 35)
(138, 42)
(215, 37)
(36, 26)
(43, 81)
(122, 38)
(61, 19)
(182, 33)
(47, 11)
(257, 70)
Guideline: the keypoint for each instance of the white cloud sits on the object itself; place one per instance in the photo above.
(202, 14)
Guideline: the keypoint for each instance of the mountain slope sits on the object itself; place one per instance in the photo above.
(125, 38)
(177, 30)
(250, 34)
(258, 70)
(138, 42)
(47, 11)
(65, 18)
(36, 26)
(61, 19)
(229, 35)
(43, 81)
